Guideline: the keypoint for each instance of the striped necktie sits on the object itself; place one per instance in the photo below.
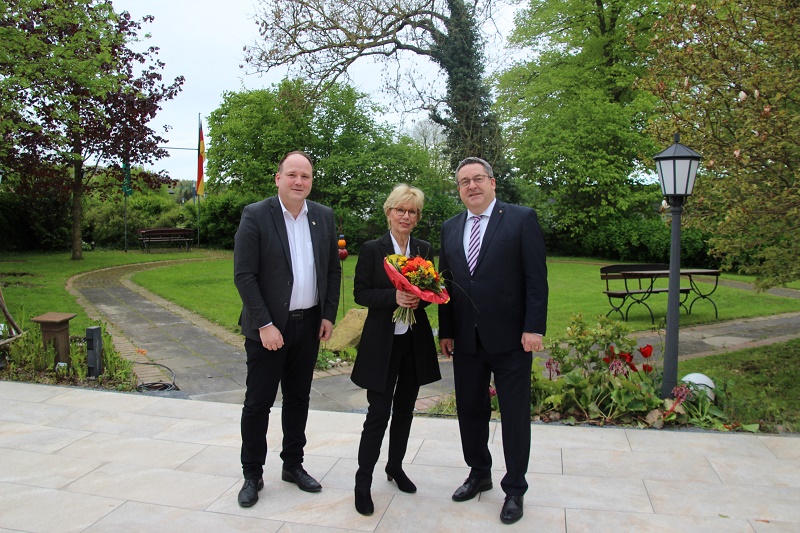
(474, 243)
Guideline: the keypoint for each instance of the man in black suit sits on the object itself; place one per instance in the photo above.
(493, 259)
(287, 271)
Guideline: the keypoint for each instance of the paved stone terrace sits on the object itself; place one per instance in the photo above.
(77, 460)
(85, 460)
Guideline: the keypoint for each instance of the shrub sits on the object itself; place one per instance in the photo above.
(40, 223)
(104, 221)
(641, 240)
(220, 215)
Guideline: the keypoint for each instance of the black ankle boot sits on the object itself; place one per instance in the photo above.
(364, 503)
(400, 477)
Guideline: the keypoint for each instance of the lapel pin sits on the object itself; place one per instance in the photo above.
(313, 222)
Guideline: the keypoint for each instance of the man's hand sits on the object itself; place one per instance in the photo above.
(531, 342)
(447, 347)
(271, 337)
(325, 330)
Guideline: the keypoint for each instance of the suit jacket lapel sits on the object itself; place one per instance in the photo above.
(494, 221)
(280, 227)
(317, 235)
(455, 241)
(387, 248)
(414, 249)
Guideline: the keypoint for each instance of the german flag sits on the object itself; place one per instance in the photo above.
(201, 157)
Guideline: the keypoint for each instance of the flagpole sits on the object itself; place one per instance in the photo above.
(200, 154)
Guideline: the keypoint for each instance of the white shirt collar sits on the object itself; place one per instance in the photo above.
(397, 248)
(303, 211)
(486, 213)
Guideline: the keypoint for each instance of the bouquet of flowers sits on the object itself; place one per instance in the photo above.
(417, 276)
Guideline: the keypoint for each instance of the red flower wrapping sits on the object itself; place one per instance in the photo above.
(415, 276)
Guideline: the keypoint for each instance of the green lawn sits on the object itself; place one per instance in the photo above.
(763, 384)
(575, 287)
(34, 284)
(208, 288)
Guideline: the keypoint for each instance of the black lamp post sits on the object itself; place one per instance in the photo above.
(677, 169)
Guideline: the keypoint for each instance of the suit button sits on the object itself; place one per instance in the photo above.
(286, 304)
(290, 282)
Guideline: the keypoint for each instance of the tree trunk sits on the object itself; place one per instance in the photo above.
(77, 210)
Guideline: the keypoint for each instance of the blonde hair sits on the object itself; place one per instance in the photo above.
(404, 194)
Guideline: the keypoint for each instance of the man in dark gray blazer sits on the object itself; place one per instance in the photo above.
(493, 259)
(287, 271)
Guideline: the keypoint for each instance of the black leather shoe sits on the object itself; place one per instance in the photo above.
(398, 476)
(248, 495)
(364, 503)
(301, 478)
(512, 509)
(471, 488)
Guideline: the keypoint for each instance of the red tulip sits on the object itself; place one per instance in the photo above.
(646, 351)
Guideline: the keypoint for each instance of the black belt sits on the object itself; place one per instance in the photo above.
(300, 314)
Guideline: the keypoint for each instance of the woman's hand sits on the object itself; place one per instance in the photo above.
(406, 299)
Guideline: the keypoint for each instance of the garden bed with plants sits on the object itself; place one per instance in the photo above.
(27, 359)
(596, 374)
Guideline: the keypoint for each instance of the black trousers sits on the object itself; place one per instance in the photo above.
(512, 379)
(293, 368)
(398, 400)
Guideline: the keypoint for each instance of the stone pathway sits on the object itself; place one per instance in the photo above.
(209, 361)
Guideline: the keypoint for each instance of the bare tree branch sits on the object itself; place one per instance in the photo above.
(319, 40)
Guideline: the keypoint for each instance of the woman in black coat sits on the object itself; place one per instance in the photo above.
(394, 359)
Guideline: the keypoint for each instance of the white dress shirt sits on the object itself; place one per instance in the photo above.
(400, 327)
(304, 286)
(484, 223)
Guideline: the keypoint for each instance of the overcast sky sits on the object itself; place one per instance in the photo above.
(203, 41)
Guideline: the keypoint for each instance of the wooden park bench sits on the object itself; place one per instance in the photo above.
(634, 284)
(182, 236)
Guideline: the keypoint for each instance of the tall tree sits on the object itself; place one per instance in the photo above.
(251, 130)
(71, 99)
(322, 39)
(357, 160)
(728, 74)
(574, 115)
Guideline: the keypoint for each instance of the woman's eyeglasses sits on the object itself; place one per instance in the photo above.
(402, 212)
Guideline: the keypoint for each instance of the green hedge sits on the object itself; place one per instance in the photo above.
(636, 239)
(36, 224)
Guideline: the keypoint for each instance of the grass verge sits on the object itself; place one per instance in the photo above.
(759, 385)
